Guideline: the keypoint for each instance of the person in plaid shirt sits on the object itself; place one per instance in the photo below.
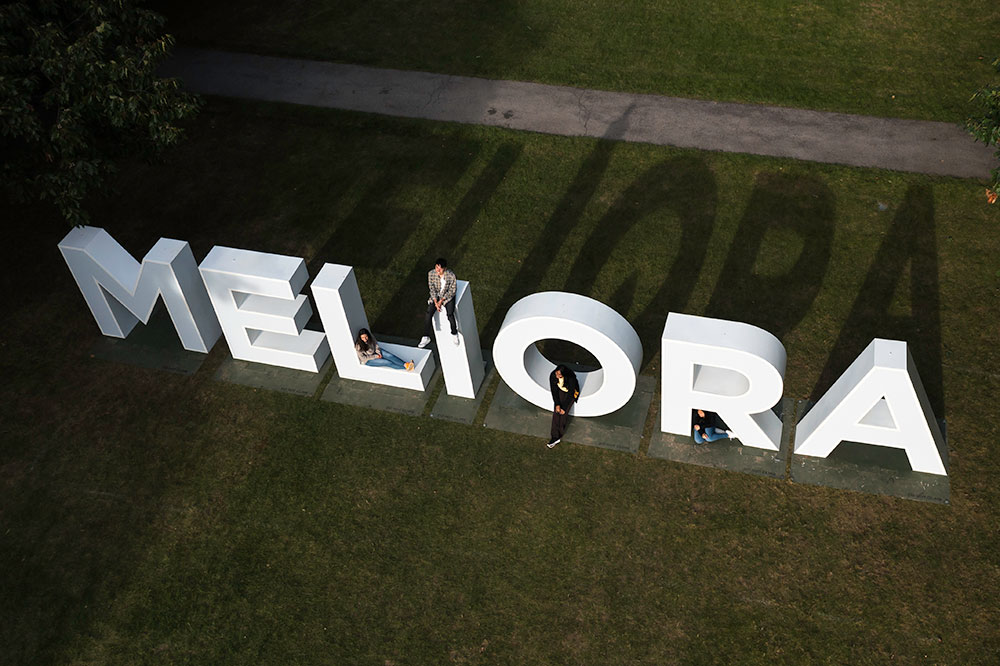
(441, 283)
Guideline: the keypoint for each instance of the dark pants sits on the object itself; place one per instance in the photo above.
(449, 309)
(559, 423)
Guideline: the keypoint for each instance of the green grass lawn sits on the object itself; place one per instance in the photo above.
(153, 518)
(919, 59)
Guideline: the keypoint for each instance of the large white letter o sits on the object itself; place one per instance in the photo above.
(582, 321)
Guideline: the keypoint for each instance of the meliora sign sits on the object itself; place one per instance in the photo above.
(731, 368)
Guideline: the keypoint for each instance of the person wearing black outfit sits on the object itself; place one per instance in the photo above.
(565, 392)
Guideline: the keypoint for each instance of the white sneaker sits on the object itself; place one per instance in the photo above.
(553, 443)
(457, 339)
(730, 433)
(424, 341)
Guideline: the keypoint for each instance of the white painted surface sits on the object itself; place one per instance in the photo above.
(461, 364)
(578, 319)
(733, 369)
(338, 300)
(120, 292)
(263, 315)
(879, 400)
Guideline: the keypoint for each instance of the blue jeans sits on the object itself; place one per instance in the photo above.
(388, 360)
(711, 434)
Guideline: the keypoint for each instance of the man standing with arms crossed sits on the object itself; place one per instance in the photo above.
(441, 283)
(565, 391)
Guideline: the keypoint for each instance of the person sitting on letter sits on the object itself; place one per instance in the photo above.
(703, 432)
(565, 391)
(369, 353)
(441, 283)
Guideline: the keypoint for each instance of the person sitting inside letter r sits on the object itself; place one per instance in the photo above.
(704, 433)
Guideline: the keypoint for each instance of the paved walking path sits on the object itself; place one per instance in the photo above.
(838, 138)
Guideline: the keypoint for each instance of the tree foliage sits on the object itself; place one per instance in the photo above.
(984, 124)
(78, 92)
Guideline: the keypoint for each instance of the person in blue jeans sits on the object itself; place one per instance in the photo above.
(370, 353)
(703, 432)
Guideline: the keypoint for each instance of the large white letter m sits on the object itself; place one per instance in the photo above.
(120, 292)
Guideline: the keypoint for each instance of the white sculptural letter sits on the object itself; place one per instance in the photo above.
(256, 297)
(120, 292)
(461, 364)
(578, 319)
(342, 312)
(733, 369)
(878, 400)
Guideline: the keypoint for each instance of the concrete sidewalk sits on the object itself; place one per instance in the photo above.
(837, 138)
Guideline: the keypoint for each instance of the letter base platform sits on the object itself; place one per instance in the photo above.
(878, 470)
(154, 346)
(618, 431)
(271, 377)
(727, 454)
(464, 410)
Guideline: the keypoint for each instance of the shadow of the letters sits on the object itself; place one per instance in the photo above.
(747, 290)
(684, 186)
(559, 225)
(406, 309)
(910, 239)
(377, 228)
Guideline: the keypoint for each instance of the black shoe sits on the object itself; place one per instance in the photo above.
(553, 442)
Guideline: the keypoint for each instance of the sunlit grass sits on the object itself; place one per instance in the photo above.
(898, 59)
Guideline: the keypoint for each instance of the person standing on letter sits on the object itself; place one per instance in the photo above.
(565, 391)
(441, 283)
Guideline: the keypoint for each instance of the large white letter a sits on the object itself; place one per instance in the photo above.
(879, 400)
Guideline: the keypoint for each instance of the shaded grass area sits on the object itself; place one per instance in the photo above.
(153, 518)
(917, 59)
